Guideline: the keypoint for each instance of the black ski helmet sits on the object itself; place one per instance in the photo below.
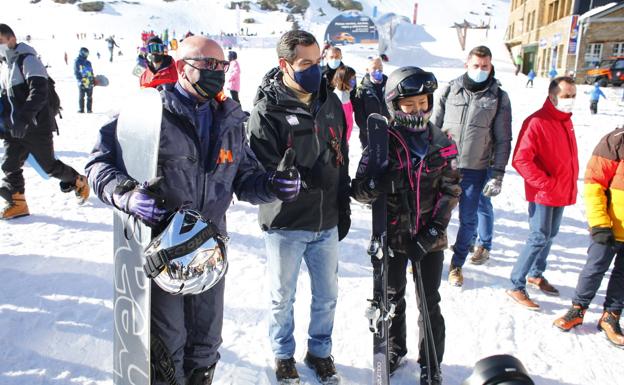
(409, 81)
(84, 52)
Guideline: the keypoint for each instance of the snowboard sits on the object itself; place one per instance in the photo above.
(138, 134)
(380, 312)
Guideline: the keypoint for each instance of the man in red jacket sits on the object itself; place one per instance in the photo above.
(161, 68)
(546, 157)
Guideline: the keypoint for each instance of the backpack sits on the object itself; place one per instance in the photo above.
(54, 101)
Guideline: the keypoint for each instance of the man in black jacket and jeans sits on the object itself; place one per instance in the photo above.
(288, 114)
(29, 124)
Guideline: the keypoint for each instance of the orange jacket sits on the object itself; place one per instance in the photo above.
(604, 184)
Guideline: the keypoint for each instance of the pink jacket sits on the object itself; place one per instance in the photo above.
(233, 81)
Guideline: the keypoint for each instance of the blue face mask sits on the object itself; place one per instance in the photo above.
(478, 76)
(309, 79)
(377, 75)
(334, 63)
(352, 83)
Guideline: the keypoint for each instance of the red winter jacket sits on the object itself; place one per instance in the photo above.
(547, 158)
(166, 74)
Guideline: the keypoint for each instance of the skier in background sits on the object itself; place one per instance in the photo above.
(422, 187)
(594, 97)
(111, 46)
(161, 68)
(83, 71)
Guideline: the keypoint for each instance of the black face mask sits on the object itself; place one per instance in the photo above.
(157, 59)
(210, 83)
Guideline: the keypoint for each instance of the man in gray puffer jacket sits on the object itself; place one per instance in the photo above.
(476, 113)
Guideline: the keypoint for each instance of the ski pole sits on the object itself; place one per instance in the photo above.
(428, 337)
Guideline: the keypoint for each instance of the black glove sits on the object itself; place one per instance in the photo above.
(285, 181)
(422, 243)
(344, 224)
(18, 131)
(602, 235)
(389, 182)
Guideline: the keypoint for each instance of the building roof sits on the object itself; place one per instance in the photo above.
(602, 11)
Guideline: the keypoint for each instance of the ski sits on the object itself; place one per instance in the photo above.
(379, 312)
(138, 133)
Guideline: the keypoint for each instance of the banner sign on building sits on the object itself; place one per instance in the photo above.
(574, 29)
(351, 28)
(543, 43)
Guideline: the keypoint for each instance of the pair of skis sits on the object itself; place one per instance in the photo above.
(381, 310)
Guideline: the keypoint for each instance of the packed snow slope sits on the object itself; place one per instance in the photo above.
(56, 285)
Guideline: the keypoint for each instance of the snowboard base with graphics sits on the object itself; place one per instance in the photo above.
(138, 133)
(380, 311)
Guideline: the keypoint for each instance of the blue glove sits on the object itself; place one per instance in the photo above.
(144, 202)
(285, 182)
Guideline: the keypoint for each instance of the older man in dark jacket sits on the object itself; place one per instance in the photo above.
(369, 97)
(29, 125)
(199, 125)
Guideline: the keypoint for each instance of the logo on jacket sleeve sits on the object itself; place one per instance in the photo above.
(225, 156)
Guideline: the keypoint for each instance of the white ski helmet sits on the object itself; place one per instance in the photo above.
(188, 257)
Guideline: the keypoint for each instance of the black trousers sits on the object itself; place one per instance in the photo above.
(593, 106)
(234, 95)
(41, 146)
(431, 268)
(190, 327)
(88, 93)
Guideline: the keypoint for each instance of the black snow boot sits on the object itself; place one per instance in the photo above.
(286, 371)
(436, 378)
(323, 368)
(201, 376)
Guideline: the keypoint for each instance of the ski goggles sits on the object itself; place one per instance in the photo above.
(207, 63)
(155, 48)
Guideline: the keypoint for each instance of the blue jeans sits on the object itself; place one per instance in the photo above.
(485, 223)
(599, 259)
(544, 224)
(472, 184)
(285, 250)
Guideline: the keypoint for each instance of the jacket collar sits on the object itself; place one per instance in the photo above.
(551, 110)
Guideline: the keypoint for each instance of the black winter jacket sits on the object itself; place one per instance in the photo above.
(318, 136)
(427, 191)
(368, 99)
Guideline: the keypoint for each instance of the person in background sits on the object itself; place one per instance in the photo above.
(549, 183)
(29, 124)
(518, 63)
(83, 71)
(552, 74)
(344, 82)
(604, 200)
(161, 68)
(594, 97)
(333, 60)
(233, 80)
(530, 77)
(110, 41)
(369, 97)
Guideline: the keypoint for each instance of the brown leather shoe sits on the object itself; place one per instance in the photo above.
(455, 277)
(571, 319)
(610, 324)
(15, 208)
(480, 256)
(522, 298)
(542, 284)
(82, 189)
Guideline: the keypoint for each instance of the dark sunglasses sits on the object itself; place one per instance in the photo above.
(155, 48)
(208, 63)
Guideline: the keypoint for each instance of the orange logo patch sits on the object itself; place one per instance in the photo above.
(225, 156)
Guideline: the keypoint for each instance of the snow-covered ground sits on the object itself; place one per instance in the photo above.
(56, 281)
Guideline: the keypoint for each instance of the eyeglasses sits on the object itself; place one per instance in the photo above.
(208, 63)
(155, 48)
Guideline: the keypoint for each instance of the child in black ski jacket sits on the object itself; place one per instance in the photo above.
(422, 187)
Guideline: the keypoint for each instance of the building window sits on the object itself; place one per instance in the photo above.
(618, 49)
(593, 54)
(532, 20)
